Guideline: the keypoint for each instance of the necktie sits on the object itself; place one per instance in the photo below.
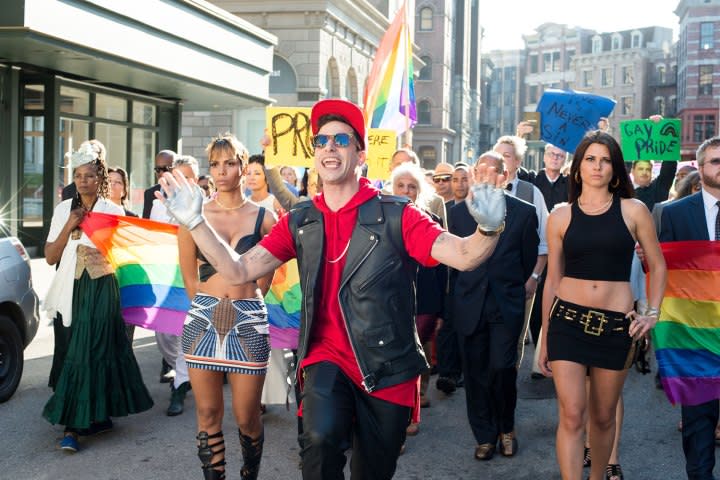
(717, 222)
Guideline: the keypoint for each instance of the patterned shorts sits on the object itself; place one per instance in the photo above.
(227, 335)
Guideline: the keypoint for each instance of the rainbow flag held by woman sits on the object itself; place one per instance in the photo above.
(144, 254)
(687, 335)
(283, 302)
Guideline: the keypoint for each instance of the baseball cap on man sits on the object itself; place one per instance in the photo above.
(342, 108)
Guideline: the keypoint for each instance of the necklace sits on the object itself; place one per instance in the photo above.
(230, 208)
(342, 254)
(600, 209)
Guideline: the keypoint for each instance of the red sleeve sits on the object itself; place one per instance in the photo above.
(279, 241)
(419, 234)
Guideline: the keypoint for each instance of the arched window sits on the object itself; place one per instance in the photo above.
(636, 39)
(426, 71)
(616, 41)
(426, 19)
(332, 79)
(423, 112)
(282, 78)
(351, 86)
(596, 44)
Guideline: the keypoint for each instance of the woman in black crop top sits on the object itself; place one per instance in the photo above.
(226, 330)
(589, 326)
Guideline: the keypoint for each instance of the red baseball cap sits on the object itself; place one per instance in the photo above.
(342, 108)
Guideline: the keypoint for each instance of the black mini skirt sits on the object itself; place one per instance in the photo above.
(589, 336)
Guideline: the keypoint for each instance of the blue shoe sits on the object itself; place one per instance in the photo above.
(69, 443)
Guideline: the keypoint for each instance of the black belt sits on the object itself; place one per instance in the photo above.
(593, 321)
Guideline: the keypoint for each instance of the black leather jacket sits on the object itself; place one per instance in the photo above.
(377, 293)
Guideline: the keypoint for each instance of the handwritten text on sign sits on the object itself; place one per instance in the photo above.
(290, 135)
(381, 145)
(566, 116)
(648, 140)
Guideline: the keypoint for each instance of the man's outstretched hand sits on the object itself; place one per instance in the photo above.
(486, 200)
(182, 199)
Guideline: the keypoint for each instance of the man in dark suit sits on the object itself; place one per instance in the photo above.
(492, 299)
(697, 217)
(163, 163)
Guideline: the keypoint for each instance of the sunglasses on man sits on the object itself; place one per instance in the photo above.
(160, 170)
(341, 140)
(442, 178)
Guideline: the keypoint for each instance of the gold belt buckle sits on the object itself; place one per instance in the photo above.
(591, 329)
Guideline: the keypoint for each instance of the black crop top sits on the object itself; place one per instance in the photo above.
(598, 247)
(243, 245)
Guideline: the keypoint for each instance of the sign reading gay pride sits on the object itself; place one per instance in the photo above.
(648, 140)
(290, 135)
(381, 145)
(566, 116)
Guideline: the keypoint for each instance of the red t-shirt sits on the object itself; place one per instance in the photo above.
(329, 338)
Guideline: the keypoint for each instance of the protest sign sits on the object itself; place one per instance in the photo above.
(381, 145)
(566, 116)
(290, 135)
(648, 140)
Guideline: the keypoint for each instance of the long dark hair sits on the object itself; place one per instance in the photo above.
(619, 184)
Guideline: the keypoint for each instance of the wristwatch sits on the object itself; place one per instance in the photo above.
(492, 233)
(536, 276)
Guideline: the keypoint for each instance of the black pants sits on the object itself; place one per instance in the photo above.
(536, 312)
(338, 415)
(698, 439)
(448, 348)
(489, 356)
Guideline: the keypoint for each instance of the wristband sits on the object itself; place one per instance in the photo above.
(492, 233)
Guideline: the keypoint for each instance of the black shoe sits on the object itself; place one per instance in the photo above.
(537, 376)
(177, 399)
(446, 385)
(167, 373)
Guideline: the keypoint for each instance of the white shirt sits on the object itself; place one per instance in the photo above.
(540, 209)
(711, 211)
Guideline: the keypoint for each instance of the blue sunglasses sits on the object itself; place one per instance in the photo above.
(341, 140)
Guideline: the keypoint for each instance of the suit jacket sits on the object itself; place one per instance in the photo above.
(684, 219)
(149, 197)
(504, 274)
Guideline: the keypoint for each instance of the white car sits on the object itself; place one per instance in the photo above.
(18, 313)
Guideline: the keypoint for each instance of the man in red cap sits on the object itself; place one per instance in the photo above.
(359, 357)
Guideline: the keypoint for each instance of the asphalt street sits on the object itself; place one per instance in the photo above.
(153, 446)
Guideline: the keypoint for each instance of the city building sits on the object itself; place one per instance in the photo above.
(698, 72)
(504, 95)
(121, 72)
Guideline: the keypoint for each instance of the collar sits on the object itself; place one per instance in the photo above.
(708, 200)
(364, 193)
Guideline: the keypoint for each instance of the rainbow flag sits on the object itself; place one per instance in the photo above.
(144, 254)
(390, 93)
(687, 335)
(283, 302)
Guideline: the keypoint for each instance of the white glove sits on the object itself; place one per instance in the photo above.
(184, 202)
(486, 204)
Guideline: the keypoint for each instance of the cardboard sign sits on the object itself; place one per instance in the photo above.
(290, 135)
(381, 145)
(648, 140)
(566, 116)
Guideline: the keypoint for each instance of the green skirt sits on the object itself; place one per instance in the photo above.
(94, 375)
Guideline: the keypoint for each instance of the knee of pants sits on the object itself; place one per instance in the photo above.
(321, 438)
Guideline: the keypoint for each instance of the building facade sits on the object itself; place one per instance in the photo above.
(698, 72)
(70, 71)
(505, 95)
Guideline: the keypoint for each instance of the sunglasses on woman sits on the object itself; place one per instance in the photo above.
(341, 140)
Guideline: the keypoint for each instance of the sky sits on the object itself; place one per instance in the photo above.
(505, 21)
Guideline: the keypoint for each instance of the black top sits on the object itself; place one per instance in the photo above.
(659, 189)
(553, 192)
(243, 245)
(598, 247)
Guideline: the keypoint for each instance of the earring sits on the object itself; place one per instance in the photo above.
(615, 183)
(577, 176)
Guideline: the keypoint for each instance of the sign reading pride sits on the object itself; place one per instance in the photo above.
(381, 145)
(648, 140)
(290, 136)
(566, 116)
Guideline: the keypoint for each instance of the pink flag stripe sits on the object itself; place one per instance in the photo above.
(159, 319)
(691, 391)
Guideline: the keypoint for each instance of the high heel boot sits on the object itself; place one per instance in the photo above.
(206, 452)
(252, 454)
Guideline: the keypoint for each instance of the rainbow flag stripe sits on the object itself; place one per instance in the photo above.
(144, 254)
(283, 302)
(687, 336)
(390, 94)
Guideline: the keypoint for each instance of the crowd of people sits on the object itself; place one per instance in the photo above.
(449, 271)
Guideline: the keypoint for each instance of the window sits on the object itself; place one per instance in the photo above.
(606, 79)
(532, 94)
(426, 19)
(533, 61)
(596, 44)
(706, 36)
(661, 74)
(626, 106)
(587, 76)
(428, 156)
(551, 62)
(703, 127)
(672, 107)
(660, 106)
(569, 54)
(705, 80)
(636, 40)
(627, 75)
(424, 112)
(426, 71)
(616, 42)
